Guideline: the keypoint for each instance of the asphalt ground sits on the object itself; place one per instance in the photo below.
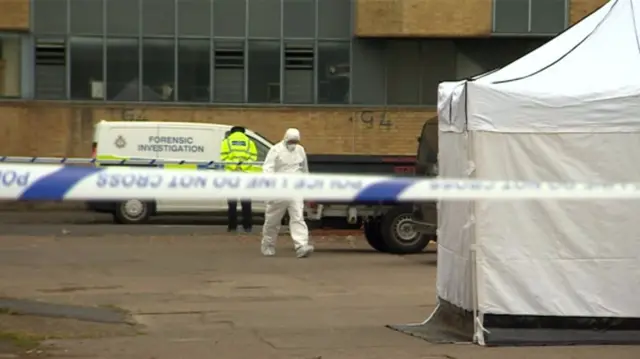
(197, 292)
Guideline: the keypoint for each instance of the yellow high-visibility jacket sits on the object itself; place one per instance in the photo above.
(238, 147)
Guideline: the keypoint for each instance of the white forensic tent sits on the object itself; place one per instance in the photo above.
(568, 111)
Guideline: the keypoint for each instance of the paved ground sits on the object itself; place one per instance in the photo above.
(211, 295)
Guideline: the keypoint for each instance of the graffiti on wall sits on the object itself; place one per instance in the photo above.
(133, 114)
(373, 120)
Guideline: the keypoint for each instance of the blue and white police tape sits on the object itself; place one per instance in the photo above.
(60, 183)
(123, 161)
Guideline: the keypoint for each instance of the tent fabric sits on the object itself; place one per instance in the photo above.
(568, 111)
(585, 80)
(455, 226)
(558, 257)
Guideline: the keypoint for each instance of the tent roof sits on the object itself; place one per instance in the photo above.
(585, 79)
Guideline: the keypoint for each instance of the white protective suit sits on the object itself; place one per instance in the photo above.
(283, 158)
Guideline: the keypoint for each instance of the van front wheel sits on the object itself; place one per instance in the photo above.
(133, 211)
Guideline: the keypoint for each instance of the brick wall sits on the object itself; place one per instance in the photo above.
(578, 9)
(14, 14)
(48, 129)
(423, 18)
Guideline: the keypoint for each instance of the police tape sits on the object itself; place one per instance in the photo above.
(68, 183)
(123, 161)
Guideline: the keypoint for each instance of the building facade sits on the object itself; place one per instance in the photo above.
(356, 76)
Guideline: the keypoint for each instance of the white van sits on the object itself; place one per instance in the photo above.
(165, 141)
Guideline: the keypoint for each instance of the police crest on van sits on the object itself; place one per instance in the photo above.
(120, 142)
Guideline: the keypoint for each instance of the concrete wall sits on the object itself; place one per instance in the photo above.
(62, 129)
(14, 14)
(423, 18)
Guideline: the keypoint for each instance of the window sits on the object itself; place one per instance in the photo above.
(51, 71)
(194, 70)
(10, 56)
(229, 18)
(334, 72)
(298, 72)
(86, 17)
(194, 17)
(123, 17)
(86, 68)
(49, 16)
(438, 65)
(158, 76)
(158, 17)
(122, 70)
(229, 71)
(261, 147)
(299, 18)
(264, 71)
(403, 72)
(334, 19)
(368, 72)
(264, 18)
(548, 16)
(511, 16)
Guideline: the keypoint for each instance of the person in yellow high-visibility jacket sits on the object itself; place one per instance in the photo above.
(235, 149)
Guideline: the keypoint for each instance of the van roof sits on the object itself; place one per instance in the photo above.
(163, 123)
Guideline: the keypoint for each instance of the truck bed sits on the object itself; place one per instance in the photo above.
(401, 166)
(363, 164)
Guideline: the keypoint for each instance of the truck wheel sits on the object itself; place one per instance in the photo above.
(374, 236)
(133, 211)
(398, 233)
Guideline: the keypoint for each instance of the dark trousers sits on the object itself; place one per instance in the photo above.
(232, 214)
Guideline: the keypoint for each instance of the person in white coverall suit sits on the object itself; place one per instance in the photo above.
(287, 156)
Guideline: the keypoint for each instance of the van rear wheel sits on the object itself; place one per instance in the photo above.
(133, 211)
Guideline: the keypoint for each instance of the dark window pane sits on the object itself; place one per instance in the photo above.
(11, 58)
(194, 70)
(264, 71)
(368, 72)
(548, 16)
(262, 149)
(158, 75)
(299, 18)
(194, 17)
(229, 18)
(334, 19)
(229, 71)
(122, 70)
(438, 65)
(264, 18)
(51, 70)
(403, 72)
(122, 17)
(298, 72)
(333, 72)
(50, 16)
(511, 16)
(86, 16)
(158, 17)
(477, 56)
(86, 68)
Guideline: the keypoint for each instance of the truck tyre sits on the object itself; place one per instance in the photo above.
(398, 233)
(374, 236)
(133, 211)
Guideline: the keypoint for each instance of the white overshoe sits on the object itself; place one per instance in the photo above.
(268, 251)
(304, 251)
